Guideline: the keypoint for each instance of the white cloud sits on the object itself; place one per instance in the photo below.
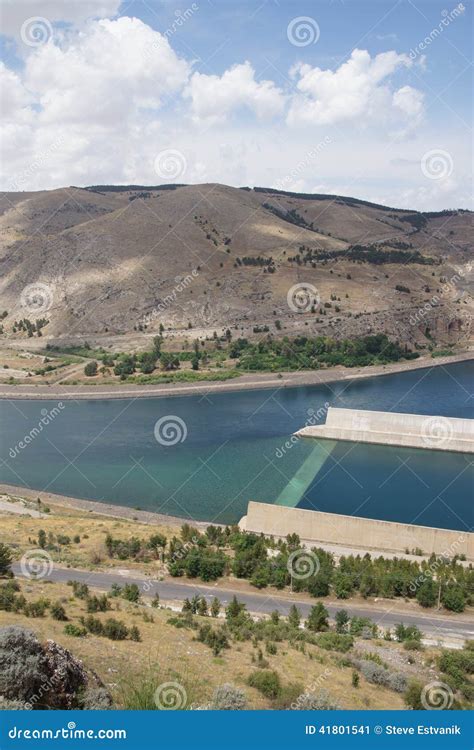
(105, 74)
(15, 12)
(358, 88)
(101, 99)
(214, 98)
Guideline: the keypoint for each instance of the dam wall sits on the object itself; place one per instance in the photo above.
(390, 428)
(315, 527)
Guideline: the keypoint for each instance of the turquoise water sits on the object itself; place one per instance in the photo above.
(234, 451)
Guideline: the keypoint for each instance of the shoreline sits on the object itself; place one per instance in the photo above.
(243, 383)
(109, 510)
(98, 507)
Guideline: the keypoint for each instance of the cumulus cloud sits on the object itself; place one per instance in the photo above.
(16, 12)
(214, 98)
(358, 88)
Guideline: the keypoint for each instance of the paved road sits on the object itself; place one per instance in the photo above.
(434, 625)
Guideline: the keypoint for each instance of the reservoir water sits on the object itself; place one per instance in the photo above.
(235, 447)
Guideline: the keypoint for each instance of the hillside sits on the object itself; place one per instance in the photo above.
(114, 260)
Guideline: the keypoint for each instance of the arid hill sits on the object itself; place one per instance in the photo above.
(112, 260)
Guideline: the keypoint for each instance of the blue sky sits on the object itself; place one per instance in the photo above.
(362, 106)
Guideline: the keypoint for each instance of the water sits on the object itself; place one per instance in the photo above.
(235, 451)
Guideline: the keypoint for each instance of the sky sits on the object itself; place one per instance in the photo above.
(369, 99)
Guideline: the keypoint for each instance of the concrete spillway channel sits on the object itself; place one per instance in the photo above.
(389, 428)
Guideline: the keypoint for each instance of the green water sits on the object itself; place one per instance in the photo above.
(235, 451)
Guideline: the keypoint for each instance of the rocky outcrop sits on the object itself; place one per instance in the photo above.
(39, 676)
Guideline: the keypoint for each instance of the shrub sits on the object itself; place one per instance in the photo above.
(412, 645)
(135, 634)
(335, 641)
(131, 592)
(321, 701)
(58, 612)
(454, 599)
(215, 639)
(5, 559)
(228, 698)
(21, 663)
(80, 590)
(75, 630)
(378, 675)
(97, 603)
(36, 609)
(90, 369)
(355, 679)
(96, 699)
(93, 625)
(266, 681)
(397, 682)
(412, 696)
(114, 629)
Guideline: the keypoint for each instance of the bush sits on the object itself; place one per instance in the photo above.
(321, 701)
(97, 603)
(454, 599)
(36, 609)
(397, 682)
(412, 645)
(378, 675)
(75, 630)
(228, 698)
(412, 696)
(116, 630)
(267, 682)
(93, 625)
(90, 369)
(58, 612)
(21, 663)
(80, 590)
(5, 559)
(135, 634)
(335, 641)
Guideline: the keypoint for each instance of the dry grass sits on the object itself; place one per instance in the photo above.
(167, 653)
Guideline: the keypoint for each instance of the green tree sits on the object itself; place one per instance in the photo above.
(5, 559)
(42, 538)
(294, 616)
(342, 620)
(427, 593)
(215, 607)
(412, 696)
(90, 369)
(318, 618)
(454, 598)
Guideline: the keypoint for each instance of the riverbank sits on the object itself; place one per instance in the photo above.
(29, 497)
(255, 381)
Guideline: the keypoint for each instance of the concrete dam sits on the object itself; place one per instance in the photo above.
(413, 431)
(389, 428)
